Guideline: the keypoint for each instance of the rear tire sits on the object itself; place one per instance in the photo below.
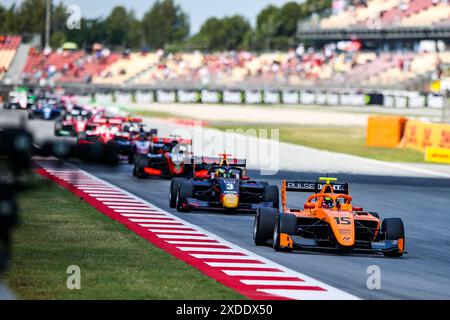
(286, 223)
(111, 153)
(272, 194)
(186, 190)
(263, 225)
(140, 163)
(174, 186)
(393, 229)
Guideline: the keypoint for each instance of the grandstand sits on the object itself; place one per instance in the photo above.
(8, 49)
(365, 44)
(316, 68)
(389, 13)
(125, 68)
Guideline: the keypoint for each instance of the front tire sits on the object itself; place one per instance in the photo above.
(186, 190)
(174, 186)
(263, 225)
(393, 229)
(286, 223)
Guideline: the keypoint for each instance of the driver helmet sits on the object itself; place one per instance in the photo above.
(221, 173)
(328, 203)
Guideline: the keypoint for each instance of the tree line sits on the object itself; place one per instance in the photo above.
(164, 25)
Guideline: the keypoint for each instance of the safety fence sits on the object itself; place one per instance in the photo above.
(390, 99)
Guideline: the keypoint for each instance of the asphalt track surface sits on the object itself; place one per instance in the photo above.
(422, 201)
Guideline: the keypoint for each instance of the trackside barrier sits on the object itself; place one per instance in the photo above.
(433, 139)
(389, 99)
(385, 131)
(438, 155)
(421, 135)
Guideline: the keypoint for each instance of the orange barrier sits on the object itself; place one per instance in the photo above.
(385, 131)
(422, 135)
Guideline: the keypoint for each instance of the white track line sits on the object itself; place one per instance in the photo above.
(238, 265)
(110, 197)
(211, 243)
(140, 215)
(221, 257)
(162, 218)
(149, 211)
(161, 223)
(253, 273)
(167, 227)
(122, 204)
(161, 231)
(272, 282)
(171, 236)
(129, 207)
(197, 249)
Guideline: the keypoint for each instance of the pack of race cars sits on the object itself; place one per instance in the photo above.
(328, 221)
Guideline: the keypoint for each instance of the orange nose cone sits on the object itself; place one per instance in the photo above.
(230, 201)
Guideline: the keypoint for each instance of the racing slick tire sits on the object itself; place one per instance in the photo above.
(139, 164)
(263, 225)
(285, 223)
(111, 152)
(272, 194)
(186, 190)
(174, 186)
(393, 229)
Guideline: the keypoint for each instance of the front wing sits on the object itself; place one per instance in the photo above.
(301, 243)
(196, 204)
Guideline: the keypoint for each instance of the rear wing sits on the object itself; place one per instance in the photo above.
(232, 162)
(311, 187)
(315, 187)
(170, 140)
(205, 163)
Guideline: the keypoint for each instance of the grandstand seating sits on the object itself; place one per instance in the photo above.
(234, 68)
(88, 67)
(125, 68)
(427, 17)
(390, 13)
(8, 49)
(66, 66)
(59, 60)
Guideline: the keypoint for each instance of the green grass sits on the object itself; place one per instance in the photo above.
(350, 140)
(153, 114)
(57, 230)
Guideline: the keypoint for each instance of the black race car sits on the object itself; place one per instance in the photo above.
(221, 184)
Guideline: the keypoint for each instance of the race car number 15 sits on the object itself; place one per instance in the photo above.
(342, 220)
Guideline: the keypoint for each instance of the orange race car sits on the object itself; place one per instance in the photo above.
(328, 221)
